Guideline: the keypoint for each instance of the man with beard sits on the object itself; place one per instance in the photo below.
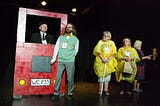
(66, 49)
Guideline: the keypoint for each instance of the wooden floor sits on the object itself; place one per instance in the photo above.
(85, 94)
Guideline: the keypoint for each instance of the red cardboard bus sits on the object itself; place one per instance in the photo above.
(33, 73)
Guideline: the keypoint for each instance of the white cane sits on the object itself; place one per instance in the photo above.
(103, 79)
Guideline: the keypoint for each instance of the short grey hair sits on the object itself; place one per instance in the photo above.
(108, 33)
(137, 44)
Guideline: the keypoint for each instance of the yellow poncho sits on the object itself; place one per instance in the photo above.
(122, 52)
(105, 49)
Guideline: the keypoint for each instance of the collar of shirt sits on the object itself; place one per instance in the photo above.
(43, 33)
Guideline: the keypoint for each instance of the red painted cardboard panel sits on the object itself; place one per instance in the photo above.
(27, 82)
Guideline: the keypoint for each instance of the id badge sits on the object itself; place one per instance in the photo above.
(127, 54)
(64, 45)
(107, 49)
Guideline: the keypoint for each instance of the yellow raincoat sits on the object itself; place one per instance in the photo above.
(105, 49)
(122, 52)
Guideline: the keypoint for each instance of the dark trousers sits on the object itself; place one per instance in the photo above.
(125, 86)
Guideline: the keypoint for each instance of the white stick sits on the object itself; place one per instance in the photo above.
(103, 79)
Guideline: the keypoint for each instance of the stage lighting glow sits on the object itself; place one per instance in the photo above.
(43, 3)
(74, 10)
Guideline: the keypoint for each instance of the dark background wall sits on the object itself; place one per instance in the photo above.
(137, 20)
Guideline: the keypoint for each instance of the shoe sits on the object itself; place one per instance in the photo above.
(121, 92)
(107, 93)
(135, 90)
(138, 90)
(128, 92)
(55, 97)
(100, 93)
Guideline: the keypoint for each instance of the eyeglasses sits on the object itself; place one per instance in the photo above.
(68, 27)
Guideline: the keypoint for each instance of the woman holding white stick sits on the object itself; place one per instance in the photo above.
(105, 62)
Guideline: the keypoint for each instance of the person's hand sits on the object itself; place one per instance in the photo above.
(52, 60)
(127, 59)
(103, 60)
(109, 58)
(149, 57)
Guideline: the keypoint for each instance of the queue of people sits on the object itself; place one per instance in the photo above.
(127, 63)
(107, 60)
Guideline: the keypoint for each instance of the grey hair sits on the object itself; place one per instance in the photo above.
(137, 44)
(107, 33)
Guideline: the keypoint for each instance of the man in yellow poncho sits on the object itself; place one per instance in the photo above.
(105, 62)
(126, 54)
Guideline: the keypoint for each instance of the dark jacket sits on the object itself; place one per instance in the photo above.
(36, 38)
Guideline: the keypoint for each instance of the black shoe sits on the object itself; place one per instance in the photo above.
(69, 97)
(55, 97)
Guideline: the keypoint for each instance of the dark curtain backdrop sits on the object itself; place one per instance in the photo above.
(136, 23)
(8, 26)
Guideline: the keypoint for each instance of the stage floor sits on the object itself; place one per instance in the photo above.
(85, 94)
